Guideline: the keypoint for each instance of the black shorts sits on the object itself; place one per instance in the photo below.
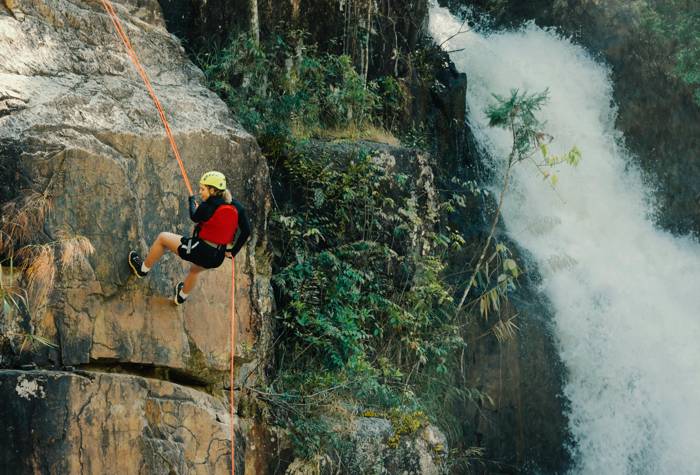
(199, 252)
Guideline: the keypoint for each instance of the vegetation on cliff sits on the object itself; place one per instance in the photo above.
(365, 313)
(30, 262)
(367, 260)
(676, 24)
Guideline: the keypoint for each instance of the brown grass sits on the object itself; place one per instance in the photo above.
(74, 250)
(39, 272)
(505, 330)
(370, 132)
(22, 219)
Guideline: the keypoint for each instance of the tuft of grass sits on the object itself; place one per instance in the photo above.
(505, 330)
(74, 249)
(39, 273)
(27, 283)
(22, 219)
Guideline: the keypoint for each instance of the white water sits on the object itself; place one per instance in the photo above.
(626, 295)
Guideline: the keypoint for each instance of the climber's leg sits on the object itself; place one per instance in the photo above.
(191, 279)
(164, 241)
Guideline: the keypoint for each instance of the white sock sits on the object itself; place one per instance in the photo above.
(183, 295)
(144, 268)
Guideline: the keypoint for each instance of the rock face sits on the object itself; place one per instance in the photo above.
(78, 125)
(109, 424)
(421, 453)
(524, 424)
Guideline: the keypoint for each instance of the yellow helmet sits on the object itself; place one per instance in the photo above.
(215, 179)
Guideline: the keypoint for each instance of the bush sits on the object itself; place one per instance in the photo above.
(287, 87)
(677, 23)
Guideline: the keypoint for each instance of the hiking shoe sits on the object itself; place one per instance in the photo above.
(177, 299)
(135, 262)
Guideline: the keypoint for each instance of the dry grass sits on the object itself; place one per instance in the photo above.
(38, 265)
(39, 271)
(11, 295)
(22, 219)
(33, 340)
(370, 133)
(30, 289)
(74, 250)
(505, 330)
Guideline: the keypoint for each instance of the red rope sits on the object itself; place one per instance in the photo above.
(233, 349)
(135, 60)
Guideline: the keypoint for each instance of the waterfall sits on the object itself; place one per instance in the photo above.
(625, 294)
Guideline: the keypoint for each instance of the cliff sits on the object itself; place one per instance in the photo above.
(78, 128)
(105, 371)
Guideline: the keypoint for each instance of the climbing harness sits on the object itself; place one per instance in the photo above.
(190, 246)
(135, 60)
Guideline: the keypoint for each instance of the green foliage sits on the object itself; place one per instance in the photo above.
(350, 286)
(517, 114)
(393, 99)
(363, 314)
(676, 23)
(415, 137)
(287, 87)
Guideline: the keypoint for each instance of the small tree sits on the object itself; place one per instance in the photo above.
(516, 113)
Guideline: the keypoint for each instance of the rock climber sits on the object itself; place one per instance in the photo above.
(221, 231)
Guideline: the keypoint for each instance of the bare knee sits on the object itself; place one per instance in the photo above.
(168, 241)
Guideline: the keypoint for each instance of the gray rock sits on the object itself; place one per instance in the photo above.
(77, 123)
(368, 451)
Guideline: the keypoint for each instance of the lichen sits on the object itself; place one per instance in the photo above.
(29, 389)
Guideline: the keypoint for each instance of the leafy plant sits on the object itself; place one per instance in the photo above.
(358, 303)
(517, 114)
(676, 23)
(286, 87)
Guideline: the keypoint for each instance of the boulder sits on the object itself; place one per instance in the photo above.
(369, 449)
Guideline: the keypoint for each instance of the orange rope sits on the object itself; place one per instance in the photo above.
(134, 59)
(233, 349)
